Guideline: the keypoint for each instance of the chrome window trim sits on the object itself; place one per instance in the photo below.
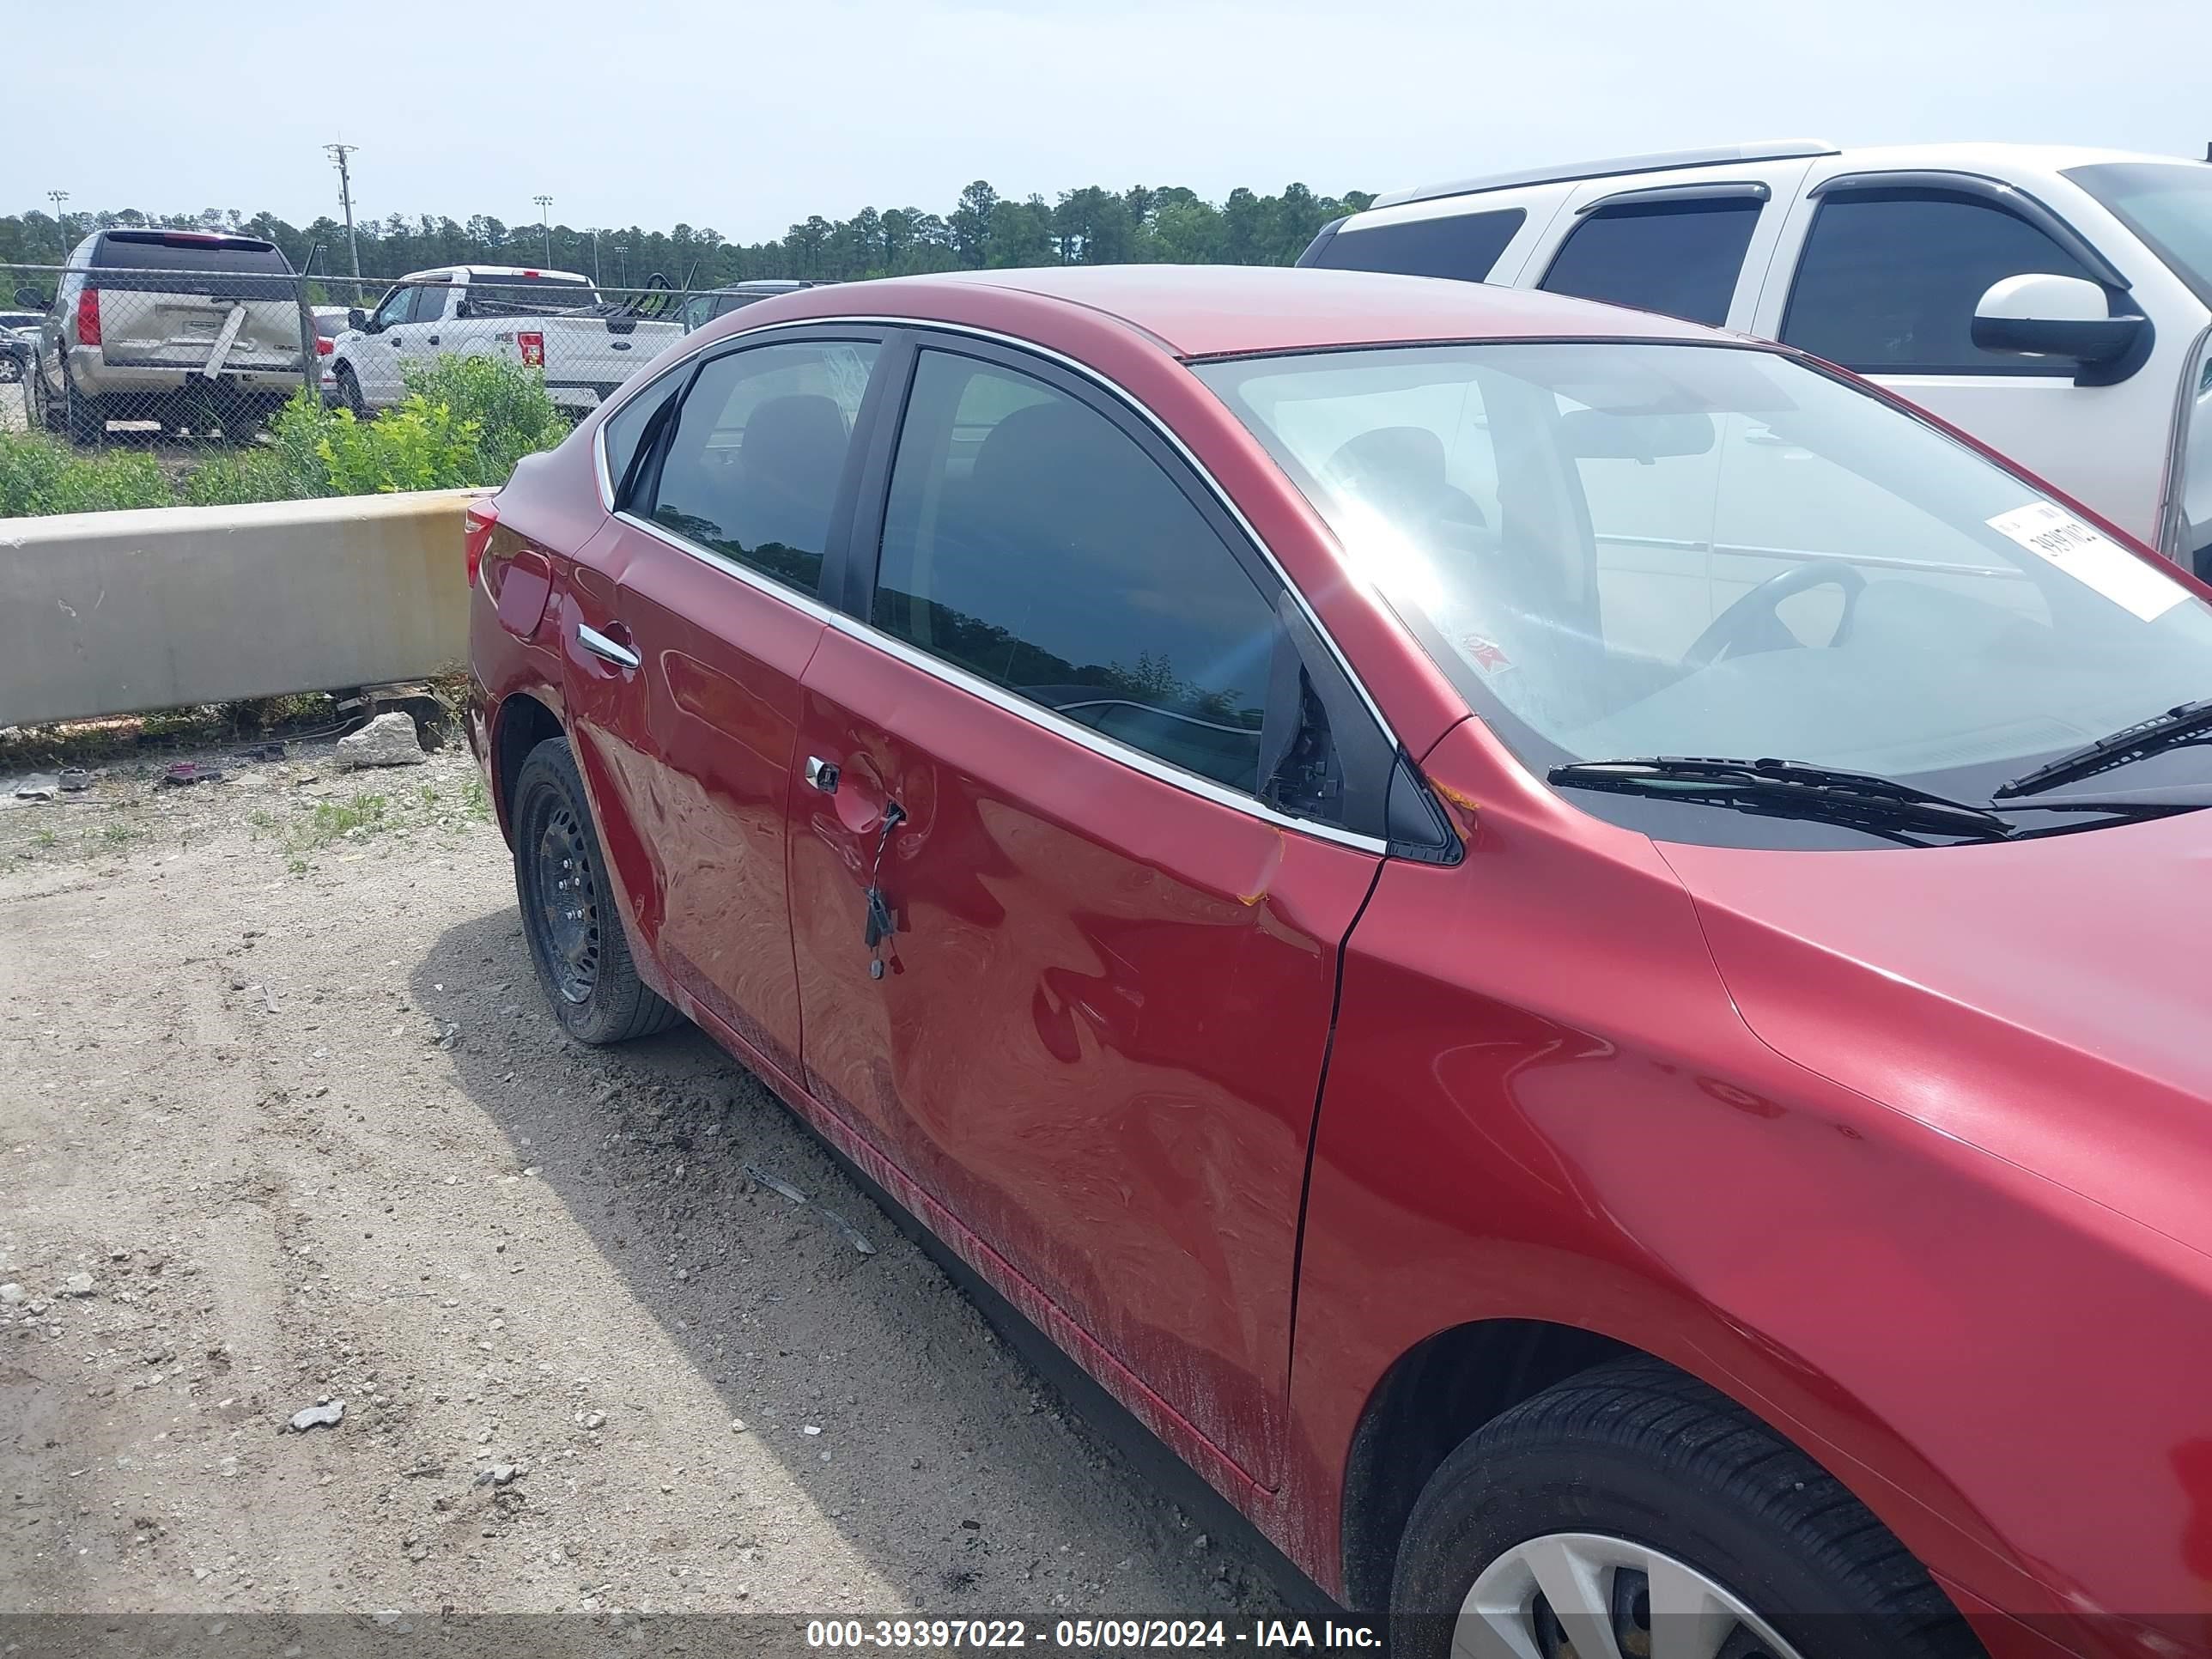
(1036, 714)
(1127, 398)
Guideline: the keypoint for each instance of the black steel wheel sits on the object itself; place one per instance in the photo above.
(561, 883)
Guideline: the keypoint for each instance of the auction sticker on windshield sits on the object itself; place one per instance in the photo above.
(2061, 540)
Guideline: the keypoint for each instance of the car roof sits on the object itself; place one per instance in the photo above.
(1952, 157)
(497, 270)
(1204, 311)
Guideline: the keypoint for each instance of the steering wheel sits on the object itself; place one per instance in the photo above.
(1751, 624)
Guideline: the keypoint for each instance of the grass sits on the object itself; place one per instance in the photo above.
(328, 821)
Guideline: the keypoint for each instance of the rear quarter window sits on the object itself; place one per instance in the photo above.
(1465, 247)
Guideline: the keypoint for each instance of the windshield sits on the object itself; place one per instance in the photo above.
(2168, 204)
(1622, 550)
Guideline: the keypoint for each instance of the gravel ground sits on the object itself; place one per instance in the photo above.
(282, 1121)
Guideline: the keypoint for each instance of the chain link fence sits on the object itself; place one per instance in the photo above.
(169, 340)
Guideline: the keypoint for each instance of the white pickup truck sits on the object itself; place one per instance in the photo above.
(553, 321)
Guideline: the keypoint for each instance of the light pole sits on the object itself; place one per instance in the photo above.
(594, 235)
(545, 223)
(337, 154)
(57, 197)
(621, 264)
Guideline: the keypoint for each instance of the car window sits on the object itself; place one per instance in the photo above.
(753, 467)
(1680, 258)
(625, 430)
(430, 302)
(1890, 282)
(518, 293)
(396, 306)
(1032, 542)
(1460, 245)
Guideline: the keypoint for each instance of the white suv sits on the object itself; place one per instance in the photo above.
(2056, 303)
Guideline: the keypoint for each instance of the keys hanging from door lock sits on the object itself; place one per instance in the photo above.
(880, 924)
(822, 773)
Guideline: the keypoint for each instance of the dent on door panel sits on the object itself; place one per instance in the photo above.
(1101, 1027)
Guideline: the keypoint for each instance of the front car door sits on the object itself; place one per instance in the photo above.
(1881, 271)
(420, 338)
(683, 697)
(375, 354)
(1116, 884)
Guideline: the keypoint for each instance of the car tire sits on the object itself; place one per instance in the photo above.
(349, 394)
(82, 418)
(561, 883)
(241, 416)
(45, 414)
(1633, 1468)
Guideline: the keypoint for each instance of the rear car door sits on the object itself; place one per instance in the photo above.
(1116, 884)
(694, 615)
(1881, 271)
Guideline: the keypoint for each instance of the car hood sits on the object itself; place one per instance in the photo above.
(2043, 999)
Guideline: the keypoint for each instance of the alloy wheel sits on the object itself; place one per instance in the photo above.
(1582, 1595)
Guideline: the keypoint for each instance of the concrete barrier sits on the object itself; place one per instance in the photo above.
(110, 613)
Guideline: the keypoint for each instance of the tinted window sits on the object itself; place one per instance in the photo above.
(1891, 283)
(516, 295)
(626, 428)
(1032, 542)
(179, 262)
(1463, 245)
(1681, 259)
(123, 249)
(753, 466)
(430, 303)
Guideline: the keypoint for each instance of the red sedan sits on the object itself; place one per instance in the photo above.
(1560, 946)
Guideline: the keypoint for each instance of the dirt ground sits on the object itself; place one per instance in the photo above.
(284, 1121)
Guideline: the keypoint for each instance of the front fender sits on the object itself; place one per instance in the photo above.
(1543, 1106)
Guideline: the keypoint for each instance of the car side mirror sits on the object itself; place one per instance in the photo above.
(31, 300)
(2039, 314)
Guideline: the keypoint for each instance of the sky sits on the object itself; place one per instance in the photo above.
(748, 117)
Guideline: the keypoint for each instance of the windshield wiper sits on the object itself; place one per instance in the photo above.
(2184, 723)
(1782, 788)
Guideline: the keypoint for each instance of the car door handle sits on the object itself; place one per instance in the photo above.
(434, 339)
(599, 645)
(822, 773)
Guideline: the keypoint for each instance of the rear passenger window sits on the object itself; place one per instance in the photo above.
(1680, 259)
(1033, 543)
(625, 430)
(1890, 281)
(752, 469)
(1465, 246)
(430, 303)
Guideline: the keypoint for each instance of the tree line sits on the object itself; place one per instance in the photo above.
(1170, 225)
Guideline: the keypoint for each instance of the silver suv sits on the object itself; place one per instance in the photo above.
(180, 328)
